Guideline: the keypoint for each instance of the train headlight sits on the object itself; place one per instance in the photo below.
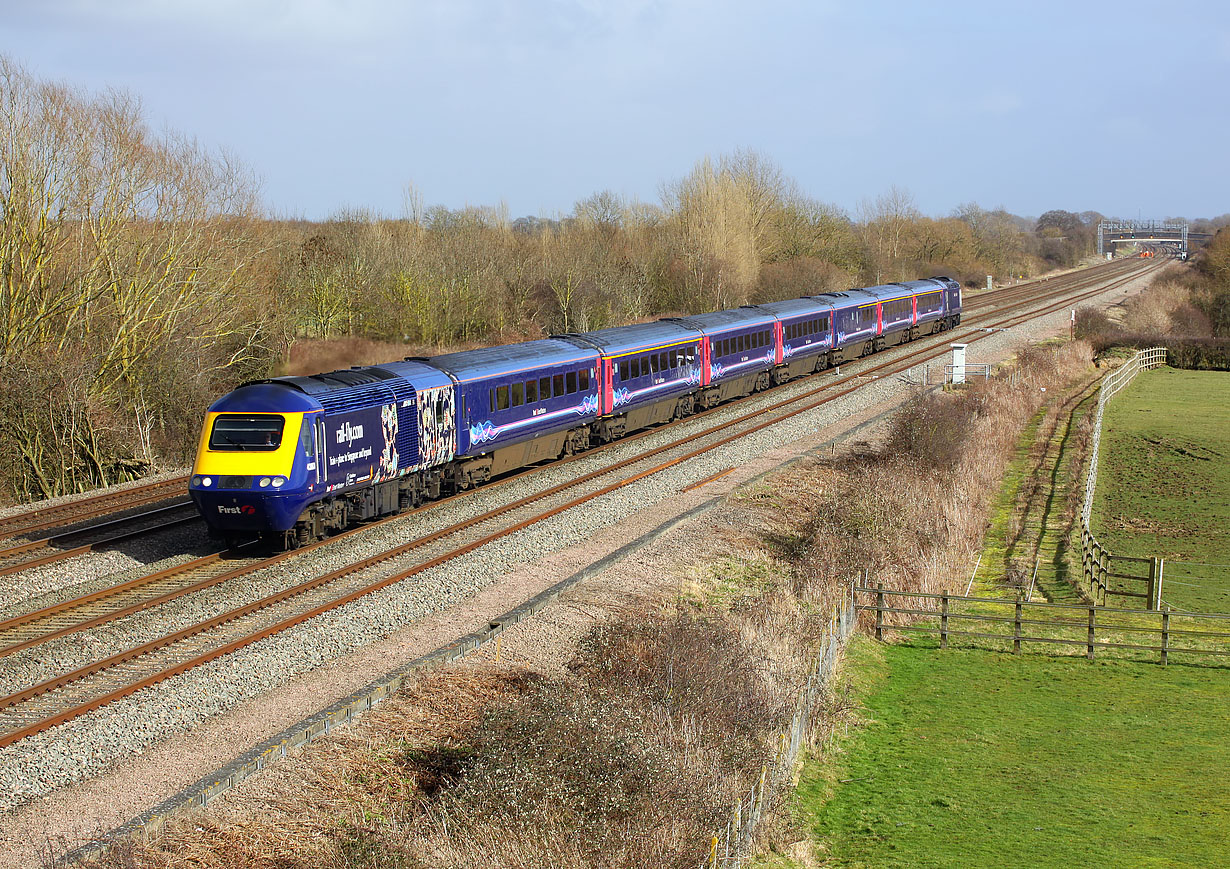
(278, 482)
(196, 481)
(207, 481)
(264, 482)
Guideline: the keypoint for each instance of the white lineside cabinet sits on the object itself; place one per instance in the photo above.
(958, 362)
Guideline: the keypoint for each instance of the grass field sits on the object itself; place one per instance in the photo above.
(1164, 481)
(977, 758)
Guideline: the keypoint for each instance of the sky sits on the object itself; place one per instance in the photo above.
(340, 105)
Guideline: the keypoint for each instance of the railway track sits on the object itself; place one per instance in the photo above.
(70, 694)
(105, 504)
(49, 550)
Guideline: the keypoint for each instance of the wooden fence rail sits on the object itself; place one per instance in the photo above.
(1097, 566)
(1095, 627)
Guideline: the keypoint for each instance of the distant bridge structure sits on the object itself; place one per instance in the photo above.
(1171, 234)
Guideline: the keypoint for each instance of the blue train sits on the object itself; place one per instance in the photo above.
(293, 459)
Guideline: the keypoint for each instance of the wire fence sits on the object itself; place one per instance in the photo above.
(733, 846)
(1096, 560)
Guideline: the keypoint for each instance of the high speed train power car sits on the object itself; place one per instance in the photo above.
(293, 459)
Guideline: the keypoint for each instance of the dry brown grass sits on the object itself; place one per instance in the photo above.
(913, 514)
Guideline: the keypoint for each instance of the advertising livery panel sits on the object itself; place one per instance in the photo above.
(361, 446)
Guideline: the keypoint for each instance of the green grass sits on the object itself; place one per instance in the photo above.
(978, 758)
(1164, 481)
(1055, 548)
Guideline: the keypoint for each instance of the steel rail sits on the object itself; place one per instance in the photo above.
(69, 513)
(63, 554)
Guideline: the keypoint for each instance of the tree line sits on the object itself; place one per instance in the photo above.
(140, 276)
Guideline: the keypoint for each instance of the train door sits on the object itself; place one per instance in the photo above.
(321, 450)
(437, 426)
(879, 318)
(777, 342)
(606, 386)
(704, 361)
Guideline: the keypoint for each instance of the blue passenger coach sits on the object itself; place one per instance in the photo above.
(805, 336)
(520, 404)
(648, 374)
(737, 353)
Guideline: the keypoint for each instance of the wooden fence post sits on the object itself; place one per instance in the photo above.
(1016, 627)
(1089, 647)
(1165, 634)
(1152, 583)
(944, 620)
(879, 611)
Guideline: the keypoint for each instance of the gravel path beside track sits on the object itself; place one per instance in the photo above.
(136, 752)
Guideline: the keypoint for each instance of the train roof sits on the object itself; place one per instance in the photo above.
(848, 298)
(905, 288)
(619, 340)
(419, 375)
(797, 307)
(722, 321)
(510, 359)
(265, 396)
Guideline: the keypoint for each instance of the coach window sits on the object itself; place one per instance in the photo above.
(531, 392)
(544, 388)
(518, 394)
(623, 369)
(584, 377)
(653, 362)
(559, 385)
(572, 382)
(501, 398)
(674, 359)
